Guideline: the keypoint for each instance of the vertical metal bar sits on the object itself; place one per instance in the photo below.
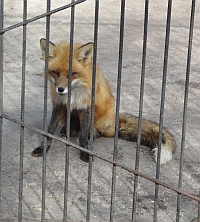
(140, 107)
(162, 104)
(185, 107)
(22, 114)
(45, 110)
(1, 92)
(198, 218)
(96, 22)
(68, 112)
(115, 153)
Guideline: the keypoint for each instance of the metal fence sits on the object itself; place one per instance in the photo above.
(114, 162)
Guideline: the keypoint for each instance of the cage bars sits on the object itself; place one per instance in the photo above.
(165, 64)
(122, 166)
(89, 188)
(68, 111)
(198, 216)
(140, 108)
(40, 16)
(45, 124)
(187, 79)
(114, 162)
(22, 113)
(115, 152)
(1, 92)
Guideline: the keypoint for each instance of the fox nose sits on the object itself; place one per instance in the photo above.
(61, 89)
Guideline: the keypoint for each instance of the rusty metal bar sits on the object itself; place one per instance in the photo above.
(40, 16)
(122, 166)
(67, 142)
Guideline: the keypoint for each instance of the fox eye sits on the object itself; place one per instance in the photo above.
(74, 73)
(56, 73)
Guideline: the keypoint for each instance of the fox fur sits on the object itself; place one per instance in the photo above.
(104, 115)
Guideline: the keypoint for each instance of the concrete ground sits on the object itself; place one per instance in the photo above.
(108, 41)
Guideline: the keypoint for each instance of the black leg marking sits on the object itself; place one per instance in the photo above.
(51, 129)
(83, 139)
(62, 132)
(38, 152)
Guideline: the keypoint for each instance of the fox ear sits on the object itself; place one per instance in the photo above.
(52, 48)
(85, 53)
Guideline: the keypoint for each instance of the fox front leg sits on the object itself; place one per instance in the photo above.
(51, 129)
(84, 118)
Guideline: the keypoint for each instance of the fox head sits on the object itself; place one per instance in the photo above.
(58, 67)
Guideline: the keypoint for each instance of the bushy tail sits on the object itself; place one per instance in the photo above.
(128, 127)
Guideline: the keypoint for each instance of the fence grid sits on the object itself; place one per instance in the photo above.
(114, 162)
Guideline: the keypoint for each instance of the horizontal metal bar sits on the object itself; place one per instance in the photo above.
(40, 16)
(122, 166)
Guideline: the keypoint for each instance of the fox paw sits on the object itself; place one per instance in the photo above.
(85, 157)
(62, 132)
(38, 151)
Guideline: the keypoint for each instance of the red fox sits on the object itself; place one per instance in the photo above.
(104, 115)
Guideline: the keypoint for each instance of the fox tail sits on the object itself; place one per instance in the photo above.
(128, 127)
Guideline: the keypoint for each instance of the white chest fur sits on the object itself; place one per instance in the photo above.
(80, 98)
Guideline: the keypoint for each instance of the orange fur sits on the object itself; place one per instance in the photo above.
(104, 117)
